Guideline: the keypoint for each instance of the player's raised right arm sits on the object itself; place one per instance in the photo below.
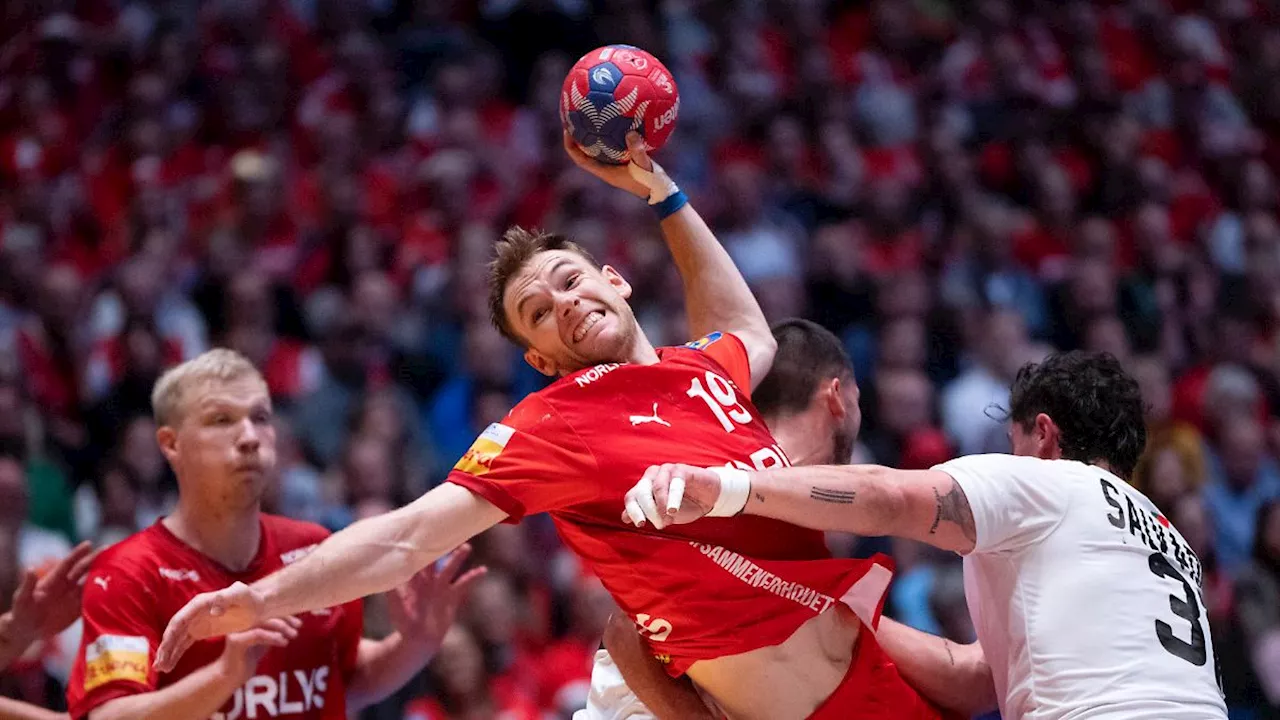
(369, 557)
(716, 295)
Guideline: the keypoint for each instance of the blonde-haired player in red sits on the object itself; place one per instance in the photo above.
(214, 417)
(755, 611)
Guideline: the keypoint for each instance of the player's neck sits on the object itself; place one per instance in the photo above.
(1106, 466)
(642, 351)
(803, 438)
(229, 538)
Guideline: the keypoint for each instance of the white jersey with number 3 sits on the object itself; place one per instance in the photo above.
(1086, 600)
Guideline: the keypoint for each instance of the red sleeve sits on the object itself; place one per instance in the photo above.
(351, 632)
(726, 349)
(529, 463)
(120, 635)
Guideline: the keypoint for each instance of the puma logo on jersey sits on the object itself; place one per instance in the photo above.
(101, 581)
(642, 419)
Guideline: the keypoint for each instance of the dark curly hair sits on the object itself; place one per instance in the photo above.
(1095, 403)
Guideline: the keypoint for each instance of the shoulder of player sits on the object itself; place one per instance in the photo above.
(711, 338)
(1020, 464)
(132, 560)
(1059, 478)
(553, 407)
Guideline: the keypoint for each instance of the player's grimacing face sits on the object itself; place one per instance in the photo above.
(572, 315)
(226, 433)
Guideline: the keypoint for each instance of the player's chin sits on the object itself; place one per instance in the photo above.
(250, 480)
(605, 344)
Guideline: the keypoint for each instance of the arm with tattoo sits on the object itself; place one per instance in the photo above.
(924, 505)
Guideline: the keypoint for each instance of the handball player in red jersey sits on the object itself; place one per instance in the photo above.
(809, 400)
(214, 416)
(755, 611)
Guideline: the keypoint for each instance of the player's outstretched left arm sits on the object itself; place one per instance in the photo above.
(716, 295)
(371, 556)
(422, 611)
(924, 505)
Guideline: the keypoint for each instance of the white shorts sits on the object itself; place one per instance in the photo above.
(610, 698)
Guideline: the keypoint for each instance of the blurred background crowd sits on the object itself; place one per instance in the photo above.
(954, 188)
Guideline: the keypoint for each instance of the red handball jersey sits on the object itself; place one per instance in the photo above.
(133, 589)
(709, 589)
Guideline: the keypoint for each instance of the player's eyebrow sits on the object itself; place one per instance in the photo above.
(521, 302)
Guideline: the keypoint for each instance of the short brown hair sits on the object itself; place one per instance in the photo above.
(516, 247)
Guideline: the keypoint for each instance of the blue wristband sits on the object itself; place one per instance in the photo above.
(668, 207)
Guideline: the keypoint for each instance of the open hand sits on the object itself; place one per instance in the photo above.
(423, 609)
(230, 610)
(46, 605)
(671, 494)
(244, 650)
(618, 176)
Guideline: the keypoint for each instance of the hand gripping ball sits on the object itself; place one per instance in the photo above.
(613, 90)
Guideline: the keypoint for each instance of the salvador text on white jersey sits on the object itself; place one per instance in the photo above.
(1086, 600)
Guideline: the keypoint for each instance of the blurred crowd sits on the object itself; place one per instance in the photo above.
(954, 188)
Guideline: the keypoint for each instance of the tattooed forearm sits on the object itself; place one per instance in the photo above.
(839, 497)
(954, 507)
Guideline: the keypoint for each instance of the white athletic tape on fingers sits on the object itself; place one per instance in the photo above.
(660, 185)
(675, 494)
(735, 488)
(634, 512)
(649, 505)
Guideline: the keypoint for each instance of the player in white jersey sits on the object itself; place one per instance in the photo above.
(1086, 600)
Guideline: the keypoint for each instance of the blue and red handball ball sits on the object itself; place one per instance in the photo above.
(613, 90)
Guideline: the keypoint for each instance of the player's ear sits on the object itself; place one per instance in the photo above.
(167, 439)
(1048, 438)
(614, 278)
(540, 362)
(830, 391)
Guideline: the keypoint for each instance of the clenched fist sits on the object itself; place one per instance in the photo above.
(679, 494)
